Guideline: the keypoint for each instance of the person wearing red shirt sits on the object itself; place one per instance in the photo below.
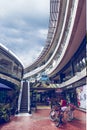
(63, 102)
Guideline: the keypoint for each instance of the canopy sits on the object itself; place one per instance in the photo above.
(4, 86)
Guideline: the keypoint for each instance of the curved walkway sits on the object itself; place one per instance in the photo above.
(40, 121)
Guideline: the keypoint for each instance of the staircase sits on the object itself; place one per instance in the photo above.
(24, 98)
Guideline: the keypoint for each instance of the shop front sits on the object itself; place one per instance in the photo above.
(41, 96)
(81, 96)
(76, 93)
(70, 95)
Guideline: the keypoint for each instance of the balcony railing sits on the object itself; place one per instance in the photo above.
(59, 50)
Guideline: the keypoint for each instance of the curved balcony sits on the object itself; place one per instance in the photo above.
(11, 68)
(63, 42)
(72, 40)
(57, 9)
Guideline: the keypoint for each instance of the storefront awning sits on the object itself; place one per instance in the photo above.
(3, 86)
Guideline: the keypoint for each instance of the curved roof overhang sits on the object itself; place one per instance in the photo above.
(10, 54)
(7, 83)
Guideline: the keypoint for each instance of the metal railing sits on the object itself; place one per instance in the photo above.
(20, 95)
(29, 109)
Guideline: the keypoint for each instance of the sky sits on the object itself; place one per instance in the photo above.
(24, 27)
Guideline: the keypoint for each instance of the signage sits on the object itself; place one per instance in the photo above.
(59, 90)
(44, 78)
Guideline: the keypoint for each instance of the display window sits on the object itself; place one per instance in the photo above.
(81, 96)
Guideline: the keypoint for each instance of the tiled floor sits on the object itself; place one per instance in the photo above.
(40, 121)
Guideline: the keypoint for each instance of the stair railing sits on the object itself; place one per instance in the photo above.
(20, 96)
(29, 109)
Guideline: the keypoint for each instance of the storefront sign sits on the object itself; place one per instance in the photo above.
(59, 90)
(44, 78)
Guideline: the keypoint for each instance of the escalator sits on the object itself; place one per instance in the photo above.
(24, 98)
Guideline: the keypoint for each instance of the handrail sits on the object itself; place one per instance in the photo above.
(20, 95)
(28, 96)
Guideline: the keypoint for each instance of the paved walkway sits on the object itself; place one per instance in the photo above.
(40, 121)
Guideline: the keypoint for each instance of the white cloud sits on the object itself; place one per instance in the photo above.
(30, 56)
(23, 27)
(42, 33)
(30, 7)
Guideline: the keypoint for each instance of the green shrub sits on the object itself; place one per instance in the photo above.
(4, 113)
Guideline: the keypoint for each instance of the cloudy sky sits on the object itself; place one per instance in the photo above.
(24, 26)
